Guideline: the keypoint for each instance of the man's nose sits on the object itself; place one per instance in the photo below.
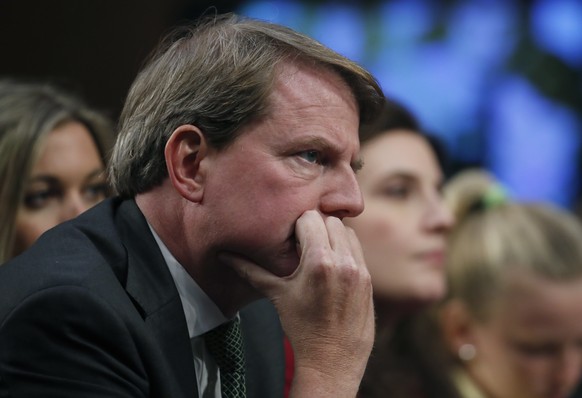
(342, 197)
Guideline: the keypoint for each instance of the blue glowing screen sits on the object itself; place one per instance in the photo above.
(497, 81)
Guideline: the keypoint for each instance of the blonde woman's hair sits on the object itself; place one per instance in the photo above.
(493, 235)
(28, 112)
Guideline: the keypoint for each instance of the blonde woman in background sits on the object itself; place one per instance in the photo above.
(53, 152)
(512, 320)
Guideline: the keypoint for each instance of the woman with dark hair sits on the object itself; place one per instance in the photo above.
(403, 235)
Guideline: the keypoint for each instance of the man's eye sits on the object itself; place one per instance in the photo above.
(311, 156)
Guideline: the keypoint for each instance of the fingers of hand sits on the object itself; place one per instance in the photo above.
(329, 250)
(310, 231)
(330, 240)
(355, 246)
(332, 274)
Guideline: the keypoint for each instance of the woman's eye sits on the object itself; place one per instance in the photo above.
(398, 192)
(39, 199)
(311, 156)
(96, 192)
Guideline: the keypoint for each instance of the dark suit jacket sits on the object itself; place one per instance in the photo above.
(91, 310)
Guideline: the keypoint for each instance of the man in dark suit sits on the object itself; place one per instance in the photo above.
(234, 166)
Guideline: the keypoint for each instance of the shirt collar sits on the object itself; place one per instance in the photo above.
(202, 314)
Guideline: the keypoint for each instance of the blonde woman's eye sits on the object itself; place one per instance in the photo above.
(96, 192)
(537, 350)
(36, 200)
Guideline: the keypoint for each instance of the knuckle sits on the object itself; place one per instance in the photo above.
(324, 267)
(326, 262)
(366, 278)
(323, 257)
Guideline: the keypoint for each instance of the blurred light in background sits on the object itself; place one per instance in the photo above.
(557, 27)
(478, 74)
(534, 143)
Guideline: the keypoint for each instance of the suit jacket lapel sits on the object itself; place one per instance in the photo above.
(151, 286)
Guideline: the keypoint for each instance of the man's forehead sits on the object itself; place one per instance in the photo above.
(293, 79)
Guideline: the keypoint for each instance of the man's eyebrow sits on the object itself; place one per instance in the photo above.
(317, 142)
(311, 142)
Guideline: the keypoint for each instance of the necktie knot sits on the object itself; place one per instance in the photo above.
(226, 347)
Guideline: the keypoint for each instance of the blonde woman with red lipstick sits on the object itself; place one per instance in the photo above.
(403, 235)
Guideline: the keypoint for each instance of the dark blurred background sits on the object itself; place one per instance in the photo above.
(499, 81)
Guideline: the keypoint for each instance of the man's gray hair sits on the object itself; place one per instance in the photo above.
(216, 75)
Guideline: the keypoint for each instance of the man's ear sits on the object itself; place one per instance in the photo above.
(184, 152)
(458, 328)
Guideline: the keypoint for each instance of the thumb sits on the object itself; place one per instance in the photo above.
(264, 281)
